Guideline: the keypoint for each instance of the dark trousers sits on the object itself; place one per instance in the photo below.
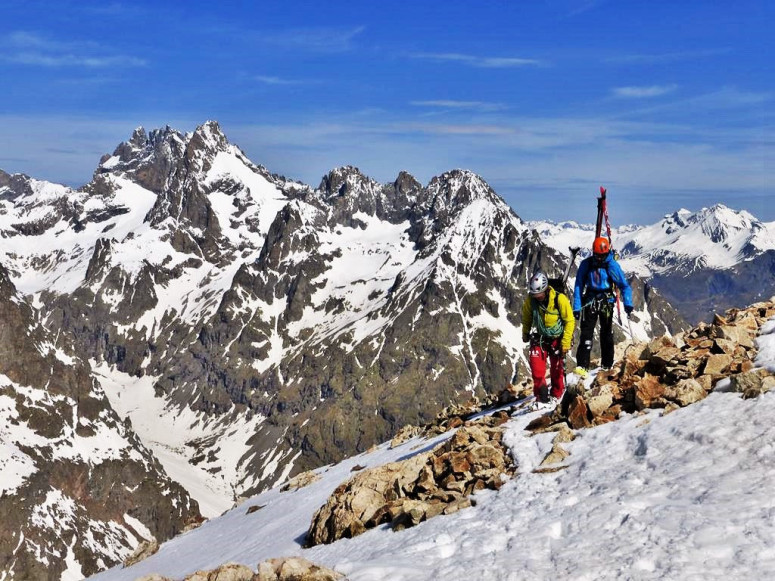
(589, 318)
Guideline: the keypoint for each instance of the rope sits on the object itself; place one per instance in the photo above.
(555, 330)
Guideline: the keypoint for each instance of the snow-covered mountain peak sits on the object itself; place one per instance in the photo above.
(346, 180)
(720, 223)
(459, 188)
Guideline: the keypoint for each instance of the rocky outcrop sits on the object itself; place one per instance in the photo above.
(675, 372)
(408, 492)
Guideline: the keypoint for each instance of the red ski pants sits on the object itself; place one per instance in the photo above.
(538, 355)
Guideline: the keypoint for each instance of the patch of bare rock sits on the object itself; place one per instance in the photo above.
(285, 569)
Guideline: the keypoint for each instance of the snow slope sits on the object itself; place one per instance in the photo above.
(686, 495)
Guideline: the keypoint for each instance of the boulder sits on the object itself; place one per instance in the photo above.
(577, 413)
(685, 392)
(655, 346)
(597, 404)
(556, 455)
(300, 481)
(752, 383)
(294, 569)
(228, 572)
(716, 364)
(648, 392)
(143, 551)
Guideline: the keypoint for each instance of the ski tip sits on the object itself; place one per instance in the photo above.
(602, 191)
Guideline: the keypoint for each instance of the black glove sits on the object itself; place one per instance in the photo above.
(577, 314)
(628, 309)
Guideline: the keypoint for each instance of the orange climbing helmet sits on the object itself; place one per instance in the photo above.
(600, 246)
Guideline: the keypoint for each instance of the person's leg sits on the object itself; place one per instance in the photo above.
(557, 370)
(538, 371)
(607, 337)
(588, 321)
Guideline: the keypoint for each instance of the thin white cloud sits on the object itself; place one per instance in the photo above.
(585, 6)
(483, 106)
(479, 62)
(270, 80)
(643, 92)
(668, 57)
(25, 48)
(321, 39)
(71, 60)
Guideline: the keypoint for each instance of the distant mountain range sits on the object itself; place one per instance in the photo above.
(702, 262)
(240, 327)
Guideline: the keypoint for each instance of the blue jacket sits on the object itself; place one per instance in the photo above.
(592, 279)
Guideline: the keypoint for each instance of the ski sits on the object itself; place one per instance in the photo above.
(522, 407)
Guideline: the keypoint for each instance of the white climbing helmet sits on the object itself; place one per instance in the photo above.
(538, 283)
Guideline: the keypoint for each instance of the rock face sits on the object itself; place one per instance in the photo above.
(320, 321)
(408, 492)
(76, 484)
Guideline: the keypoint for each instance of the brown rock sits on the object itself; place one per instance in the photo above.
(228, 572)
(539, 423)
(706, 381)
(685, 392)
(655, 346)
(740, 335)
(564, 435)
(597, 404)
(294, 569)
(577, 413)
(664, 356)
(649, 392)
(748, 321)
(459, 504)
(404, 434)
(143, 551)
(255, 508)
(716, 364)
(723, 346)
(557, 455)
(300, 481)
(459, 463)
(750, 383)
(485, 457)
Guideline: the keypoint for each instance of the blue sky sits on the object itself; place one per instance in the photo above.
(668, 104)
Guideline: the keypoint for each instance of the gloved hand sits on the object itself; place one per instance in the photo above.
(577, 314)
(628, 309)
(525, 339)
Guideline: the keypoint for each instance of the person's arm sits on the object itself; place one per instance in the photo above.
(617, 274)
(566, 314)
(578, 288)
(527, 319)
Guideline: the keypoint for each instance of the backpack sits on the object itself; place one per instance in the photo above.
(559, 286)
